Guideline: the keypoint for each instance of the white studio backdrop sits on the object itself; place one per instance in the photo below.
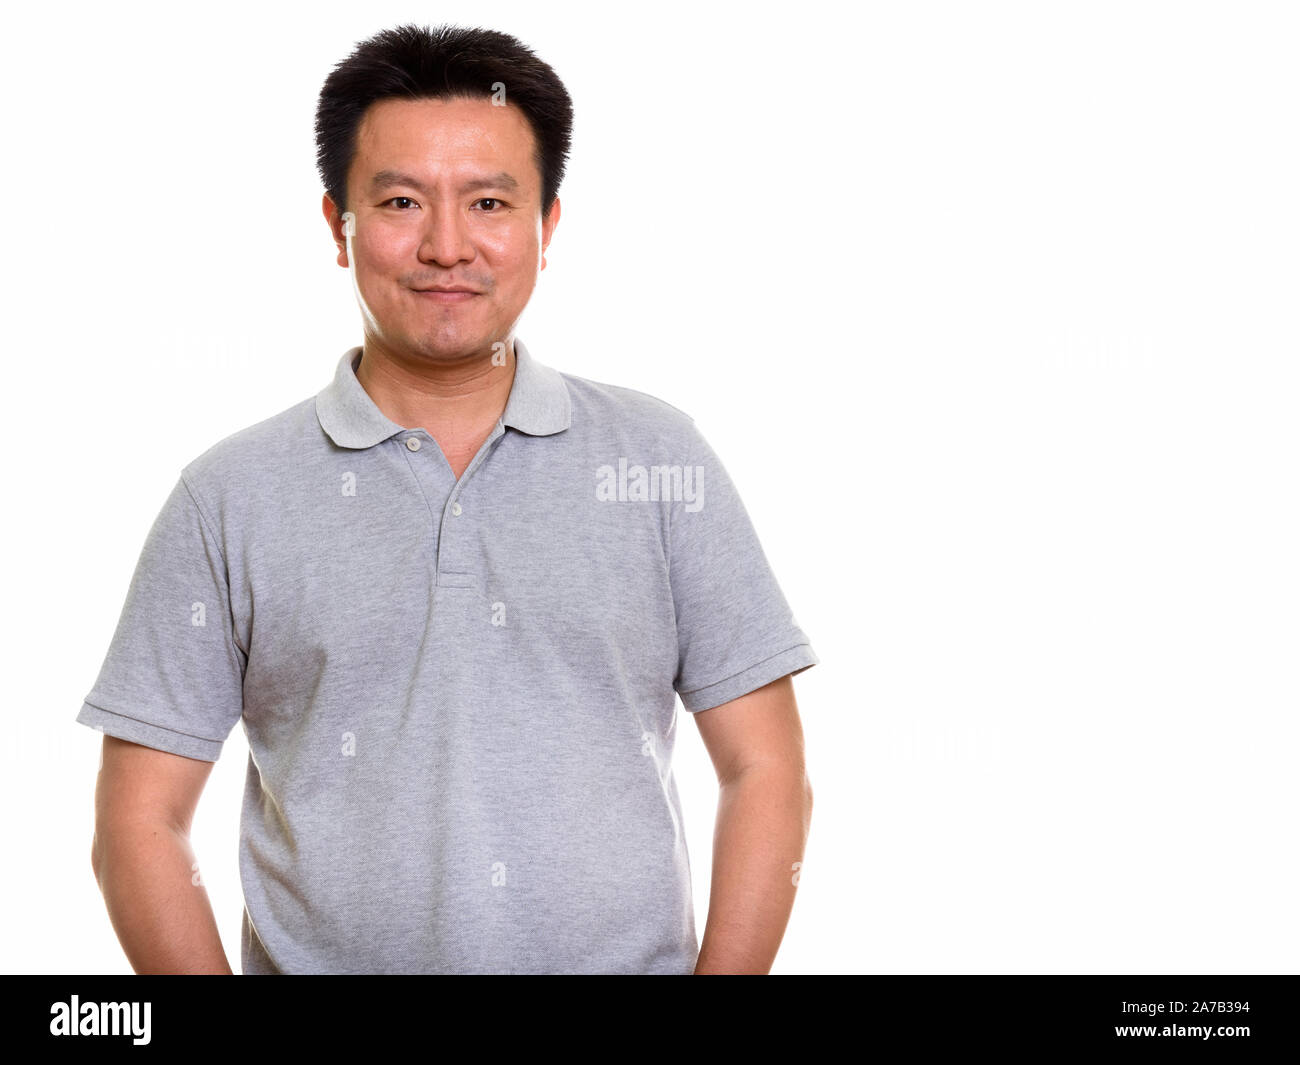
(989, 310)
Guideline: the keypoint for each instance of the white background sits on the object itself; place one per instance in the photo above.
(989, 309)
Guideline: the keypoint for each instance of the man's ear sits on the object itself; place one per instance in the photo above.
(549, 222)
(334, 217)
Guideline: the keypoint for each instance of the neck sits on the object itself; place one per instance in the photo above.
(449, 397)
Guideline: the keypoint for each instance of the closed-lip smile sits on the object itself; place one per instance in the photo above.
(447, 294)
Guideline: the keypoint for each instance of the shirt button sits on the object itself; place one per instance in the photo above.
(455, 508)
(413, 443)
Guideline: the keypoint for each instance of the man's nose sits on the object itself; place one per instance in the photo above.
(446, 238)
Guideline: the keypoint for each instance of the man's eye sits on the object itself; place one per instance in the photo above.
(495, 205)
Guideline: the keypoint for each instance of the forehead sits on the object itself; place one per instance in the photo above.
(437, 134)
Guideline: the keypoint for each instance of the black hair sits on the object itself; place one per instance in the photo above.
(412, 62)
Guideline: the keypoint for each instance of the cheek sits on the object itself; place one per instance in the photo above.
(377, 259)
(386, 241)
(516, 250)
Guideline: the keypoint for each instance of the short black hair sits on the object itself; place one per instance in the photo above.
(412, 62)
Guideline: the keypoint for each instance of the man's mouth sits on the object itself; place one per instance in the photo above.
(454, 294)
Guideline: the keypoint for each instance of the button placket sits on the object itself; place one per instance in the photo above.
(450, 559)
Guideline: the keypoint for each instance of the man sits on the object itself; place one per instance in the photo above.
(453, 598)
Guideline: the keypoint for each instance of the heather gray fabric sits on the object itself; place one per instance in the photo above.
(459, 696)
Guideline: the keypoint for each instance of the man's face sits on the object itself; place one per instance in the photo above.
(445, 193)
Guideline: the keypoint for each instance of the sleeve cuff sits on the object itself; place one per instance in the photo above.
(149, 735)
(793, 660)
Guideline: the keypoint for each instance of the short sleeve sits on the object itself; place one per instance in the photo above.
(735, 632)
(173, 675)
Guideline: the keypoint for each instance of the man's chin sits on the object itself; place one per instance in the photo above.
(446, 347)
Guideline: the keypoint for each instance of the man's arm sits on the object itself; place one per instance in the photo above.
(764, 812)
(144, 806)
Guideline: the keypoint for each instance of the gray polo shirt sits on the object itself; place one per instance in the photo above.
(459, 695)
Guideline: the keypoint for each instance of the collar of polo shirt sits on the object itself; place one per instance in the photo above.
(538, 405)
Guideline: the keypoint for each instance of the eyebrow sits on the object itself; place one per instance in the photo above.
(386, 178)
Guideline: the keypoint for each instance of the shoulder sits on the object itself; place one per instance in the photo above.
(618, 410)
(247, 459)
